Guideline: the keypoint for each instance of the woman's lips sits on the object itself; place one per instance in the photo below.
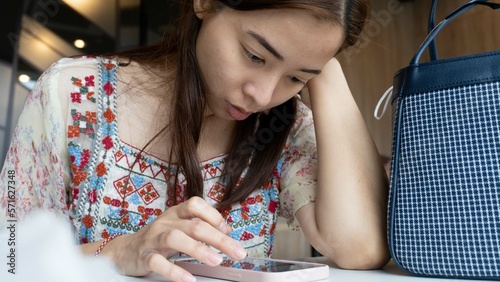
(236, 112)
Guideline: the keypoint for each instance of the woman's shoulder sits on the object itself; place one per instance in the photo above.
(77, 66)
(63, 72)
(73, 64)
(67, 76)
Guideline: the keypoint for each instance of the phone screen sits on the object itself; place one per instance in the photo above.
(261, 265)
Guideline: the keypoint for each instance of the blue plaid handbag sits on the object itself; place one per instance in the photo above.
(444, 203)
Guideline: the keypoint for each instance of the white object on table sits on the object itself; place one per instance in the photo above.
(45, 251)
(390, 273)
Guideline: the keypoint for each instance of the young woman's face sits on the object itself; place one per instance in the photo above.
(253, 61)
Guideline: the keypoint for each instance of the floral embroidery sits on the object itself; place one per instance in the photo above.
(217, 192)
(87, 221)
(123, 187)
(85, 89)
(76, 97)
(107, 142)
(148, 193)
(115, 187)
(77, 82)
(92, 196)
(79, 162)
(73, 131)
(119, 188)
(87, 187)
(89, 80)
(108, 114)
(101, 170)
(82, 124)
(108, 88)
(90, 117)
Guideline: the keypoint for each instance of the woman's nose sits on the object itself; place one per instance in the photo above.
(261, 89)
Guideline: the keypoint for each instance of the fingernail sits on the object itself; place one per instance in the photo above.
(215, 259)
(240, 252)
(188, 278)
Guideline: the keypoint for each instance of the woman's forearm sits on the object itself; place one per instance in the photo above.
(350, 209)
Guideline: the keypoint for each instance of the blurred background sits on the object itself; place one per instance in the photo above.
(35, 33)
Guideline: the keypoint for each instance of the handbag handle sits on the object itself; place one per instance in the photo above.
(431, 36)
(432, 45)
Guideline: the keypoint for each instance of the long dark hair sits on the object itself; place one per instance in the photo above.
(259, 139)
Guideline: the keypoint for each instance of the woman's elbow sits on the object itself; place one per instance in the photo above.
(360, 255)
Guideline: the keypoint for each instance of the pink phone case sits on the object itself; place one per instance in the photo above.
(258, 269)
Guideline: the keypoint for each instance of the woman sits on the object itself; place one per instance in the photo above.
(221, 94)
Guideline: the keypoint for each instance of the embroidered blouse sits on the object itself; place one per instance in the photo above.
(66, 156)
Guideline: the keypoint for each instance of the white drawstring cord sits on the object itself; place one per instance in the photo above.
(387, 97)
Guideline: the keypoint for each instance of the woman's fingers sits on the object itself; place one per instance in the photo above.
(159, 264)
(177, 239)
(202, 220)
(201, 230)
(196, 207)
(186, 244)
(192, 227)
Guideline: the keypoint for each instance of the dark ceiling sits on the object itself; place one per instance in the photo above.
(10, 12)
(150, 17)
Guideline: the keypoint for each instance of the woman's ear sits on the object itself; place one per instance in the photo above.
(201, 7)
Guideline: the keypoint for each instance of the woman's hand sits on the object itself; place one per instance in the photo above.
(188, 228)
(331, 75)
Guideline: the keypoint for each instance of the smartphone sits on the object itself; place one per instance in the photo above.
(258, 269)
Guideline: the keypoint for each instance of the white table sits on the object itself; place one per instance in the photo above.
(389, 273)
(45, 252)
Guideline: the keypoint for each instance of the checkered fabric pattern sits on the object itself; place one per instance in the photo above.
(445, 198)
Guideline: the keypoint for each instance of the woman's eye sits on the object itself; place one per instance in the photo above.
(253, 57)
(296, 80)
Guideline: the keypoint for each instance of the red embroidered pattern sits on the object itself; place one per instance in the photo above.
(85, 89)
(98, 209)
(121, 188)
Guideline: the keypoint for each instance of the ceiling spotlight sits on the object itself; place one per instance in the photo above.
(79, 43)
(24, 78)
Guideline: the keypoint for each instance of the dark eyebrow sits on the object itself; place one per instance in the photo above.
(273, 51)
(311, 71)
(266, 45)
